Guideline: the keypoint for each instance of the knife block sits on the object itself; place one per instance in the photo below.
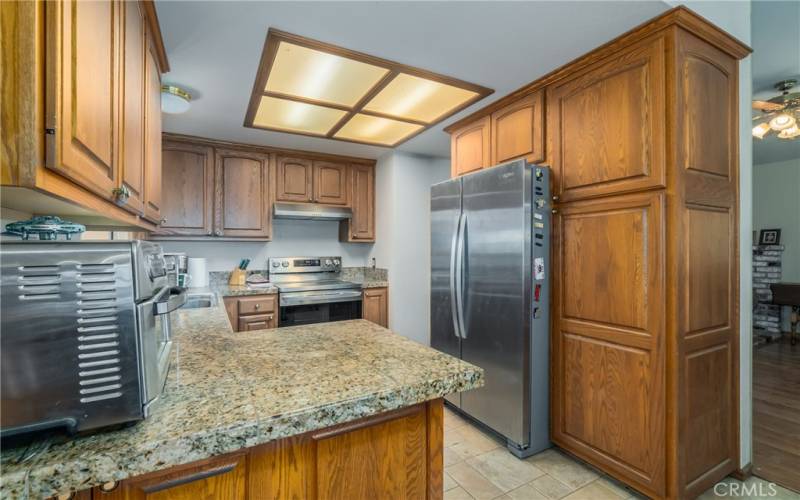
(238, 277)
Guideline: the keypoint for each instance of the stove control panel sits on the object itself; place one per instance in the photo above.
(282, 265)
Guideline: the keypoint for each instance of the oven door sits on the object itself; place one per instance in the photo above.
(305, 308)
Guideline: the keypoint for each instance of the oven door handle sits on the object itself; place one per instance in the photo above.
(175, 298)
(327, 298)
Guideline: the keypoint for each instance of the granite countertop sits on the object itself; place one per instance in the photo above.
(226, 290)
(228, 391)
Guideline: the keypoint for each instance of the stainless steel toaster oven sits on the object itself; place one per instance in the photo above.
(84, 333)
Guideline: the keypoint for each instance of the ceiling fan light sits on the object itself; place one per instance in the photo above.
(789, 133)
(760, 130)
(781, 122)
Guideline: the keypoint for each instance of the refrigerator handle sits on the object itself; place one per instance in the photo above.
(453, 271)
(462, 236)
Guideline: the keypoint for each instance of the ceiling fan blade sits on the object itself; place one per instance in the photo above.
(767, 106)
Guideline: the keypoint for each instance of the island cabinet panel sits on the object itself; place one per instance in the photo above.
(518, 130)
(606, 125)
(188, 180)
(375, 306)
(295, 179)
(331, 183)
(361, 228)
(242, 194)
(83, 94)
(256, 312)
(470, 147)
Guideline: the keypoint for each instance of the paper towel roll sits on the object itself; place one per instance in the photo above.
(196, 268)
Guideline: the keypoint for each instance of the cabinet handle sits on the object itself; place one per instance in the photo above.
(269, 317)
(197, 476)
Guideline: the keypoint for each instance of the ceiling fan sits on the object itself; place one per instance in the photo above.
(779, 114)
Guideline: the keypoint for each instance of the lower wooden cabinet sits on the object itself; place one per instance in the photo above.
(375, 306)
(255, 312)
(393, 455)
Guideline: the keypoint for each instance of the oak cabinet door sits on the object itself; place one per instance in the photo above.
(518, 130)
(188, 176)
(242, 194)
(470, 147)
(362, 225)
(132, 143)
(257, 322)
(294, 179)
(82, 95)
(608, 351)
(330, 183)
(152, 172)
(606, 126)
(375, 306)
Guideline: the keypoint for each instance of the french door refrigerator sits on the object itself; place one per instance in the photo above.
(490, 252)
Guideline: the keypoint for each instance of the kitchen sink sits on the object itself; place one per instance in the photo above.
(200, 300)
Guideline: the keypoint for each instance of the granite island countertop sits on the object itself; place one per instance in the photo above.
(227, 391)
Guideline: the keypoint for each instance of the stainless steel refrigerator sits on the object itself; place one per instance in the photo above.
(490, 252)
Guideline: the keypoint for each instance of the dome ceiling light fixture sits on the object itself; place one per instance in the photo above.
(174, 100)
(779, 114)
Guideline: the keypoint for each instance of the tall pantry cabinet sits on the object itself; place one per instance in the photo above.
(642, 138)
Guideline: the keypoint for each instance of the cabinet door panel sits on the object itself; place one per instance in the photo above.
(362, 226)
(606, 125)
(518, 130)
(242, 194)
(132, 142)
(375, 306)
(330, 183)
(256, 322)
(152, 172)
(470, 147)
(608, 334)
(294, 179)
(188, 177)
(83, 98)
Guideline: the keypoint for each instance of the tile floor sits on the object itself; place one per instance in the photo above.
(478, 467)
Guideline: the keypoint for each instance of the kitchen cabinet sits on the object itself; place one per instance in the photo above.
(518, 130)
(295, 179)
(375, 306)
(152, 171)
(470, 147)
(331, 183)
(256, 312)
(361, 228)
(642, 137)
(242, 201)
(77, 81)
(188, 178)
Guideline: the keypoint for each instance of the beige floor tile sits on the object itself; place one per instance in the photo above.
(473, 482)
(565, 469)
(449, 482)
(452, 435)
(457, 493)
(472, 442)
(453, 420)
(504, 470)
(551, 487)
(619, 488)
(525, 492)
(595, 490)
(451, 457)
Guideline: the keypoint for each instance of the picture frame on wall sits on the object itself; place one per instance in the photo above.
(769, 237)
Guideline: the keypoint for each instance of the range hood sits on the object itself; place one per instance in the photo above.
(307, 211)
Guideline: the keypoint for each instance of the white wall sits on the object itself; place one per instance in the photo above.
(288, 238)
(776, 195)
(403, 239)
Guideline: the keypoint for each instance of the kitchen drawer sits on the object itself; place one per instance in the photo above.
(257, 322)
(259, 304)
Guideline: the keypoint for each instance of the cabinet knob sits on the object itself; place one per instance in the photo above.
(555, 197)
(210, 233)
(555, 211)
(258, 306)
(269, 317)
(163, 220)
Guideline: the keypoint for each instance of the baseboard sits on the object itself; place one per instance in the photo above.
(743, 473)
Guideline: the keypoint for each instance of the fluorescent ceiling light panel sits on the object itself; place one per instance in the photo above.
(321, 76)
(415, 98)
(374, 129)
(294, 116)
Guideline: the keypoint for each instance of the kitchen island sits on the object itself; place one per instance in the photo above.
(332, 410)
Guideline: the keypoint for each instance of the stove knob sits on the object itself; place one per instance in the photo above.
(285, 263)
(336, 262)
(275, 263)
(328, 262)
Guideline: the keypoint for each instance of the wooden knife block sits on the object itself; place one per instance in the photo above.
(238, 277)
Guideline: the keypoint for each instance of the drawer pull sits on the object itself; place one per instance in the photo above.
(197, 476)
(258, 306)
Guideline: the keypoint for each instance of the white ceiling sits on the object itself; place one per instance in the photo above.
(214, 49)
(776, 56)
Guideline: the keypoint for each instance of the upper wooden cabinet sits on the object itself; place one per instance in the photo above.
(188, 177)
(152, 169)
(242, 202)
(606, 125)
(361, 228)
(331, 183)
(518, 130)
(295, 179)
(470, 147)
